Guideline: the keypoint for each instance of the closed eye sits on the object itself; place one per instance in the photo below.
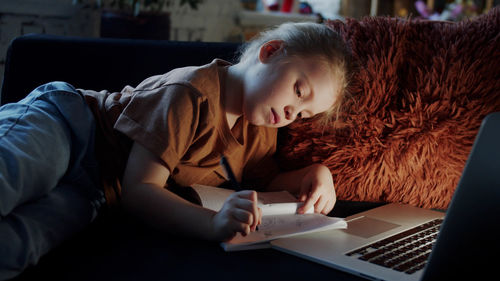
(297, 90)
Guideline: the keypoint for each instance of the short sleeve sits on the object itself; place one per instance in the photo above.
(164, 120)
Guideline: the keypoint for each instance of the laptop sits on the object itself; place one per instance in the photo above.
(401, 242)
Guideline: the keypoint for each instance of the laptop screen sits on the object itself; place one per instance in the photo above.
(468, 244)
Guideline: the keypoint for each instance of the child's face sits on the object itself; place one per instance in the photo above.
(282, 92)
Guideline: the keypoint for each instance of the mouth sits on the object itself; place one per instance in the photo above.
(274, 118)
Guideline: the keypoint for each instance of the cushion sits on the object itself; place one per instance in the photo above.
(419, 91)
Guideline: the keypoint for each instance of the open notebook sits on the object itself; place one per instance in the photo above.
(279, 217)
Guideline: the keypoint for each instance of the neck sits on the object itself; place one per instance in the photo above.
(233, 98)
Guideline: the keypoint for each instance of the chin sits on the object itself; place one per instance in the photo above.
(255, 119)
(257, 123)
(268, 125)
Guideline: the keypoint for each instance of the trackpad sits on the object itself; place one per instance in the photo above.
(367, 227)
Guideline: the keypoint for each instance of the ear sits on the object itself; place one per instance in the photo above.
(270, 49)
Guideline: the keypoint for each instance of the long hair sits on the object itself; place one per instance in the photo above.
(312, 41)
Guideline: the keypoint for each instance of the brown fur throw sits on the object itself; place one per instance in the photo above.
(419, 92)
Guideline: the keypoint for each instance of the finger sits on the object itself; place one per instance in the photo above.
(246, 204)
(328, 207)
(250, 199)
(247, 217)
(304, 193)
(243, 228)
(303, 197)
(310, 201)
(320, 204)
(242, 216)
(246, 194)
(260, 216)
(258, 219)
(233, 227)
(246, 230)
(251, 206)
(256, 214)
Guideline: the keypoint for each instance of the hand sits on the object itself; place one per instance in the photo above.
(317, 189)
(239, 214)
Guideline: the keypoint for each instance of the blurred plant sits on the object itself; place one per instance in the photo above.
(453, 10)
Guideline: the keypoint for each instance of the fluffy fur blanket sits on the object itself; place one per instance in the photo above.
(419, 92)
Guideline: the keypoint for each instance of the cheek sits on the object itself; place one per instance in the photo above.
(258, 95)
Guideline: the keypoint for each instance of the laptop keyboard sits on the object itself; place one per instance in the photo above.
(407, 251)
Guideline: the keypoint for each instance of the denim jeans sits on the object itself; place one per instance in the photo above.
(49, 176)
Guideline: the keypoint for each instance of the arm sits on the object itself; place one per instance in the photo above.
(144, 195)
(312, 184)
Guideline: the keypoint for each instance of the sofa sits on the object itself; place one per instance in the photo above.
(117, 246)
(418, 93)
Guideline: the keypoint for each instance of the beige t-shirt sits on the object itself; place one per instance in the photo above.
(179, 117)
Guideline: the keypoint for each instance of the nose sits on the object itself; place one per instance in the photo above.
(289, 113)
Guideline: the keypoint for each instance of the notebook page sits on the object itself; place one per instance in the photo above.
(279, 202)
(212, 197)
(280, 226)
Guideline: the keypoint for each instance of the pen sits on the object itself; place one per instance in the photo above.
(229, 172)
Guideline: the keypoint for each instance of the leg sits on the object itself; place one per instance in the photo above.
(40, 138)
(32, 230)
(46, 140)
(34, 152)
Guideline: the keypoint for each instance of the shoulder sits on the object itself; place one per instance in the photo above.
(195, 83)
(204, 79)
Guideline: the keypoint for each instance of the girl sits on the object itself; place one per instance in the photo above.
(65, 152)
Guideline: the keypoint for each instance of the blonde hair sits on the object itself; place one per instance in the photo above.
(308, 40)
